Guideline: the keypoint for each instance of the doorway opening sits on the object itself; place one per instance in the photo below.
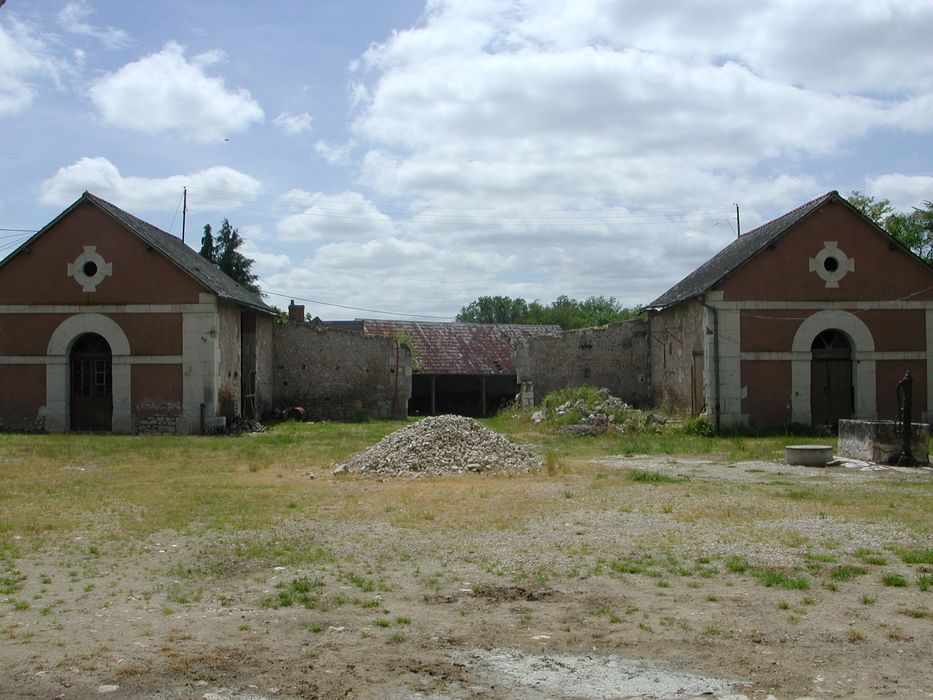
(91, 363)
(832, 392)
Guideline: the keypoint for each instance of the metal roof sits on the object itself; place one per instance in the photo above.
(461, 348)
(203, 271)
(733, 256)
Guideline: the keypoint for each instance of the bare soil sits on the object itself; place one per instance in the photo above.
(648, 599)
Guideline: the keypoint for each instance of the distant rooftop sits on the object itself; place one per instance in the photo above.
(461, 348)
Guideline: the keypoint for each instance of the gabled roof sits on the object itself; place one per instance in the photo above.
(204, 272)
(461, 348)
(733, 256)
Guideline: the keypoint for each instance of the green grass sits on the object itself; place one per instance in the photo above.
(916, 556)
(895, 580)
(646, 477)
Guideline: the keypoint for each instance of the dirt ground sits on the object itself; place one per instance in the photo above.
(644, 600)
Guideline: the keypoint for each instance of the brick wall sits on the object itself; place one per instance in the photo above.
(614, 357)
(338, 375)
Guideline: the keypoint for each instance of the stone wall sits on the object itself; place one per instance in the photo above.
(339, 375)
(228, 381)
(677, 358)
(614, 357)
(264, 325)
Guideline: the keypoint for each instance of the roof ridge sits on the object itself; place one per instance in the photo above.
(203, 270)
(737, 253)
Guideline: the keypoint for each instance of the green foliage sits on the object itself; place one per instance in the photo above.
(701, 426)
(224, 252)
(564, 312)
(646, 477)
(404, 338)
(207, 244)
(914, 229)
(588, 394)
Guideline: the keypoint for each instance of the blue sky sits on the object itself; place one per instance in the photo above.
(407, 157)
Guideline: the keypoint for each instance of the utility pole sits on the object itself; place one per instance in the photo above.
(738, 224)
(184, 212)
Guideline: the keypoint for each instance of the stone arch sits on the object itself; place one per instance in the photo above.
(862, 342)
(57, 407)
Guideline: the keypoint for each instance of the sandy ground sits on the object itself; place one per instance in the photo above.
(544, 611)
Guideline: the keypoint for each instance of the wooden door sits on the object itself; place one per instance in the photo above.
(91, 384)
(832, 395)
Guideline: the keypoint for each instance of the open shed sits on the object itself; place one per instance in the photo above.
(462, 368)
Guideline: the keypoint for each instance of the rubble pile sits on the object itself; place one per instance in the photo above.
(582, 417)
(440, 445)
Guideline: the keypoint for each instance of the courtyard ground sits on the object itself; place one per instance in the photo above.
(241, 568)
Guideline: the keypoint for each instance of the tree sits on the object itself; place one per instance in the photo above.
(207, 244)
(225, 253)
(494, 310)
(913, 229)
(564, 312)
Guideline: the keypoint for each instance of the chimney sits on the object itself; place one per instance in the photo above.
(296, 312)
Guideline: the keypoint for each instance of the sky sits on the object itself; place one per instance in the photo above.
(401, 158)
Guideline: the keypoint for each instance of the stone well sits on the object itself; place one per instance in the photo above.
(878, 441)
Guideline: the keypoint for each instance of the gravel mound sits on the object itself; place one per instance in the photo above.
(440, 445)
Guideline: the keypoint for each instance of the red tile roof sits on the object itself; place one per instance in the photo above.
(461, 348)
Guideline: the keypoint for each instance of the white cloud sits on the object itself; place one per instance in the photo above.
(73, 19)
(293, 123)
(24, 58)
(904, 191)
(335, 155)
(166, 93)
(601, 143)
(101, 177)
(345, 215)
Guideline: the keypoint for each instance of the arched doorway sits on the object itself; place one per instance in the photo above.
(832, 395)
(91, 364)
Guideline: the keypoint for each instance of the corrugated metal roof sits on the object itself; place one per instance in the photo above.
(733, 256)
(207, 274)
(461, 348)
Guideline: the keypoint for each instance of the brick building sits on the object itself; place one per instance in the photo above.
(108, 323)
(810, 318)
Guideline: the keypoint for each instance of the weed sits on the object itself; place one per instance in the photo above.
(917, 613)
(916, 556)
(846, 573)
(551, 462)
(783, 605)
(382, 622)
(894, 580)
(868, 600)
(403, 620)
(20, 605)
(867, 556)
(776, 577)
(712, 597)
(645, 477)
(737, 564)
(313, 627)
(397, 638)
(924, 581)
(712, 631)
(11, 582)
(855, 636)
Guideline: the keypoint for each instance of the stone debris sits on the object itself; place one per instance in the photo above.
(609, 413)
(440, 445)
